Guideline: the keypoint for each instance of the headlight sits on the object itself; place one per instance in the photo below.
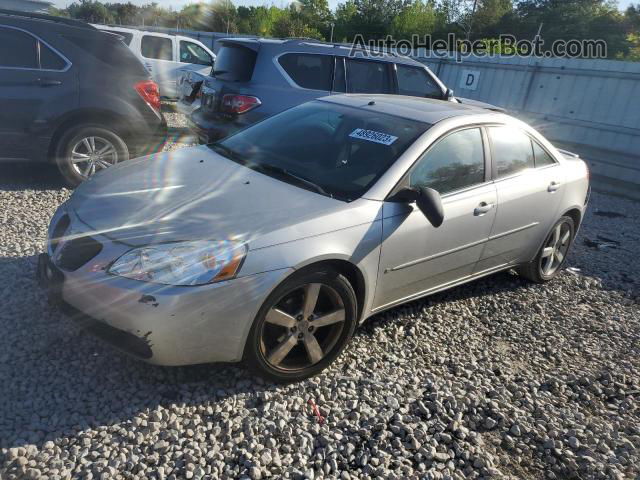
(182, 263)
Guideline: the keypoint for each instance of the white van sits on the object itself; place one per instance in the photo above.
(166, 56)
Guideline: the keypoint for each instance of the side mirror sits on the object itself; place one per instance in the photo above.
(448, 95)
(428, 201)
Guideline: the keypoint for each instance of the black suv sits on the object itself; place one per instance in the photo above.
(73, 95)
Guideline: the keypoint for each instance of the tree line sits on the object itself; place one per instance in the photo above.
(376, 19)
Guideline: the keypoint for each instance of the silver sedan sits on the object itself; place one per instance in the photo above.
(272, 245)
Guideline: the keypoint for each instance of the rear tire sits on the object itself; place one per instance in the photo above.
(302, 327)
(553, 253)
(85, 149)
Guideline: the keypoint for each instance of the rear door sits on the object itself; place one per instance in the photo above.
(529, 186)
(159, 53)
(35, 87)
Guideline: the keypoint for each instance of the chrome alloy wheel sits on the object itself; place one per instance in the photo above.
(556, 248)
(302, 327)
(92, 153)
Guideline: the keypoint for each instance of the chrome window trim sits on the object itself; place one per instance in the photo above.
(68, 63)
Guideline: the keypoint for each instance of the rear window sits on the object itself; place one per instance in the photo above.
(126, 36)
(157, 48)
(234, 63)
(110, 51)
(308, 71)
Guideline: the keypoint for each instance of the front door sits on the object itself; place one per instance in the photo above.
(416, 257)
(193, 57)
(529, 185)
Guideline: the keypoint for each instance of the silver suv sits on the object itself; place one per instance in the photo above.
(255, 78)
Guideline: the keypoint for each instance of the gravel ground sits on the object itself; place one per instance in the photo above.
(499, 378)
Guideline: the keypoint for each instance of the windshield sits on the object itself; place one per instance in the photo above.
(331, 149)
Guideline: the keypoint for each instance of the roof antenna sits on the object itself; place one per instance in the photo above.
(371, 103)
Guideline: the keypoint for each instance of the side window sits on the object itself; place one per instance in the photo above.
(159, 48)
(364, 76)
(49, 60)
(339, 81)
(455, 162)
(512, 150)
(309, 71)
(17, 49)
(193, 53)
(416, 82)
(542, 158)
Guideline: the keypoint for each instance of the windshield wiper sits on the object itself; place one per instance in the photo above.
(218, 72)
(227, 152)
(265, 167)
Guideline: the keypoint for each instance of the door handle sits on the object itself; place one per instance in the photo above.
(553, 186)
(483, 208)
(47, 82)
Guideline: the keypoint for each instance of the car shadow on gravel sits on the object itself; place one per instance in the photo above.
(16, 176)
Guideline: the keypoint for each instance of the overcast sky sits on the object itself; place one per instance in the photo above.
(178, 4)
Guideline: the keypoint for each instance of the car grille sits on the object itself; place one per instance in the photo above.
(75, 253)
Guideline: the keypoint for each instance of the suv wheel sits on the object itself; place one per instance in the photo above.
(84, 150)
(302, 327)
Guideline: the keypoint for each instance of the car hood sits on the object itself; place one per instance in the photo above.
(194, 193)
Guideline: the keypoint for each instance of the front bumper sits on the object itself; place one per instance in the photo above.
(161, 324)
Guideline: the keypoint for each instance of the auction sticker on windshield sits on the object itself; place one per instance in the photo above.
(373, 136)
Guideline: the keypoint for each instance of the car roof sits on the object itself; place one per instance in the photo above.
(45, 19)
(425, 110)
(317, 46)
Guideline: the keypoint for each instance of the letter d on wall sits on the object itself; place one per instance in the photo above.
(469, 79)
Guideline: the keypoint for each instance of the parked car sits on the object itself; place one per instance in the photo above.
(273, 244)
(73, 95)
(165, 56)
(255, 78)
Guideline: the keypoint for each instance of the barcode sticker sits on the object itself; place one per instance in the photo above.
(373, 136)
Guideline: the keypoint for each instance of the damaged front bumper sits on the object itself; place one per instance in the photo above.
(161, 324)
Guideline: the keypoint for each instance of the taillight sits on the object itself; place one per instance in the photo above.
(239, 103)
(148, 91)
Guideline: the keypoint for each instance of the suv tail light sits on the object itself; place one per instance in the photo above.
(239, 103)
(148, 91)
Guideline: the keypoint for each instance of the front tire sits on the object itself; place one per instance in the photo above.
(302, 326)
(84, 150)
(553, 254)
